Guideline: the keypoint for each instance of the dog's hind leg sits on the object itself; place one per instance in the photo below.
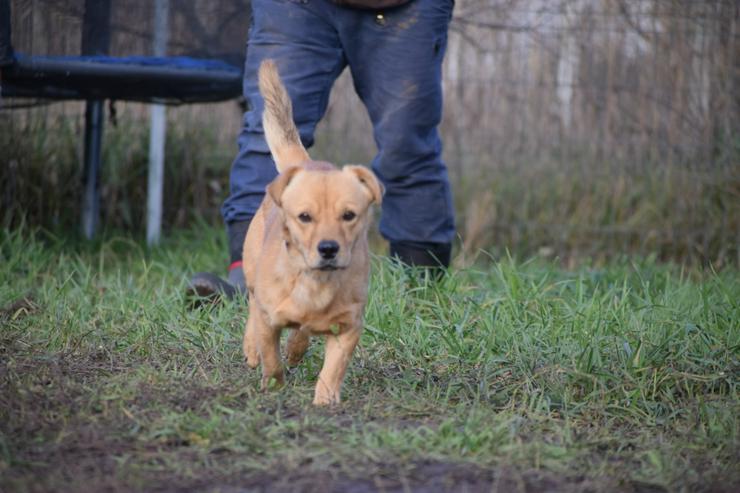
(249, 344)
(339, 350)
(268, 344)
(297, 347)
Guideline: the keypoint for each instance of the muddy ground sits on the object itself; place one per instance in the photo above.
(59, 435)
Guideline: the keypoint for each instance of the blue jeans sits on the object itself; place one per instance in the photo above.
(395, 60)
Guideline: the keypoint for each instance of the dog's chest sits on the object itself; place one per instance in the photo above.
(307, 300)
(312, 296)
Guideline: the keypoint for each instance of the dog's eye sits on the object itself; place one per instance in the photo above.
(348, 216)
(304, 217)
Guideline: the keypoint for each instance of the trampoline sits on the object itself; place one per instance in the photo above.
(172, 80)
(95, 76)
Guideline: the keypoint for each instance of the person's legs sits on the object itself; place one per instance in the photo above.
(301, 39)
(396, 57)
(305, 46)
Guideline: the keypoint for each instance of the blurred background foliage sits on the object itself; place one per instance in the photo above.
(573, 128)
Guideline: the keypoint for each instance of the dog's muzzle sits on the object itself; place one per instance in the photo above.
(328, 249)
(328, 253)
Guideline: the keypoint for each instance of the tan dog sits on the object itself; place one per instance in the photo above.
(305, 255)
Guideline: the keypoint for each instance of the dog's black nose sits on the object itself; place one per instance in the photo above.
(328, 249)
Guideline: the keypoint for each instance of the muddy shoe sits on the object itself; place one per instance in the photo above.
(432, 258)
(205, 287)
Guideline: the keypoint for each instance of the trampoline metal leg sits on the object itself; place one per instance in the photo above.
(156, 175)
(93, 144)
(157, 133)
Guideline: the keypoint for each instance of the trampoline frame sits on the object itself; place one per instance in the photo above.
(95, 77)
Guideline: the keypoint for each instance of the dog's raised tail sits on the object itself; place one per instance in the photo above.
(277, 120)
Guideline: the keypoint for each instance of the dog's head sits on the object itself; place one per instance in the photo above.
(325, 211)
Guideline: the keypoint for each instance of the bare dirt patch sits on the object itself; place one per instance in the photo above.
(57, 434)
(57, 440)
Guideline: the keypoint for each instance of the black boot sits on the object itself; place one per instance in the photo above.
(435, 256)
(206, 287)
(210, 288)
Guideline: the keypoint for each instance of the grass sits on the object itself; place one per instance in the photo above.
(512, 376)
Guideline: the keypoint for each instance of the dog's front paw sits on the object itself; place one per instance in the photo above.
(325, 397)
(251, 355)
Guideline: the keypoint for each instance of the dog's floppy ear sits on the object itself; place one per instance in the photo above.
(369, 181)
(277, 187)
